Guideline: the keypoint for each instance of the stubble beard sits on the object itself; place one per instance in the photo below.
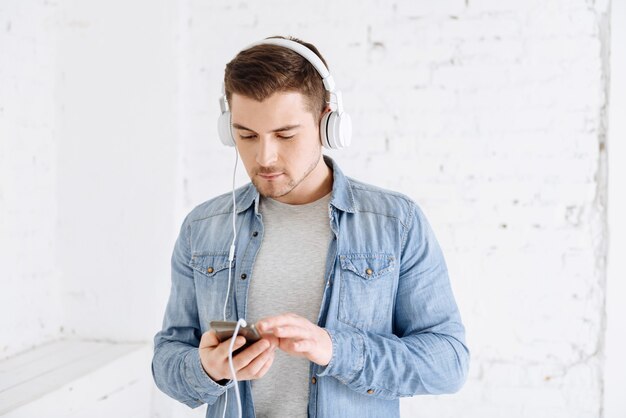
(268, 189)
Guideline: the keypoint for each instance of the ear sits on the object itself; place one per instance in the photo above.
(324, 111)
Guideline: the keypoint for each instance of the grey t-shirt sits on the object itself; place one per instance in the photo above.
(288, 276)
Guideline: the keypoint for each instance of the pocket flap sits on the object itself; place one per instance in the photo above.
(368, 266)
(209, 264)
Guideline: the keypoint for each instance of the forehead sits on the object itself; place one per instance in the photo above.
(280, 107)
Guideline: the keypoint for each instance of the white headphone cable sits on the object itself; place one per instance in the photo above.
(240, 322)
(231, 256)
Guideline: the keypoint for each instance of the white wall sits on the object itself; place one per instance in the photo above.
(30, 308)
(491, 114)
(615, 366)
(117, 147)
(88, 115)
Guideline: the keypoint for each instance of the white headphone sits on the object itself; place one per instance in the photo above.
(335, 126)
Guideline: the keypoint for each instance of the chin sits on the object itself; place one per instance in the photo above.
(272, 191)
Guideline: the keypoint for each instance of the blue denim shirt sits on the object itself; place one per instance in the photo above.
(388, 306)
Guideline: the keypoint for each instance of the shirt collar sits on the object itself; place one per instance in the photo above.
(341, 195)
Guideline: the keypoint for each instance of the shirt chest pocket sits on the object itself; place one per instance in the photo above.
(367, 290)
(211, 282)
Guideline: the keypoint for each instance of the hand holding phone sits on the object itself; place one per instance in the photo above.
(225, 330)
(250, 364)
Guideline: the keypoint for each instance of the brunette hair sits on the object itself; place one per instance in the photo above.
(263, 70)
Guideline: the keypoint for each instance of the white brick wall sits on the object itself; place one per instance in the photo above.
(28, 171)
(491, 114)
(117, 110)
(614, 380)
(88, 111)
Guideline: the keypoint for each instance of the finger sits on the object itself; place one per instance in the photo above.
(291, 331)
(244, 358)
(257, 364)
(302, 346)
(297, 347)
(224, 347)
(270, 322)
(283, 319)
(273, 340)
(209, 339)
(266, 366)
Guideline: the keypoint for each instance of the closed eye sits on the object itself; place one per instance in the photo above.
(254, 136)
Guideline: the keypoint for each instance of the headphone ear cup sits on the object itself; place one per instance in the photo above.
(224, 130)
(324, 131)
(336, 130)
(343, 130)
(333, 135)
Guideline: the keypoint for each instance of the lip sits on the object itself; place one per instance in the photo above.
(271, 176)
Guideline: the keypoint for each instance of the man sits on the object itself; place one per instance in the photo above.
(345, 280)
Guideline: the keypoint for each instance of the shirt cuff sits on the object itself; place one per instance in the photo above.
(348, 355)
(208, 389)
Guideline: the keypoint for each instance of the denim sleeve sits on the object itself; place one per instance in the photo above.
(426, 354)
(176, 366)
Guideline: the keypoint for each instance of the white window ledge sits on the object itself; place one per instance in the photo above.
(70, 378)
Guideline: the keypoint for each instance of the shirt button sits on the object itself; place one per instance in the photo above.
(369, 271)
(243, 276)
(255, 233)
(209, 270)
(370, 391)
(313, 380)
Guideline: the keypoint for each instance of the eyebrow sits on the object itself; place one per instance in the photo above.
(283, 128)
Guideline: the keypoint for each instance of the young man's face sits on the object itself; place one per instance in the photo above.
(279, 143)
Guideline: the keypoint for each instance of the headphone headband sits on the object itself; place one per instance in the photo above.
(327, 79)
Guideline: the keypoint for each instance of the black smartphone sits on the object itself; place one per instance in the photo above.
(225, 329)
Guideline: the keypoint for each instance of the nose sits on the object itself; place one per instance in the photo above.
(267, 152)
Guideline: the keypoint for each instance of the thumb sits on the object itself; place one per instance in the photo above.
(274, 340)
(209, 339)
